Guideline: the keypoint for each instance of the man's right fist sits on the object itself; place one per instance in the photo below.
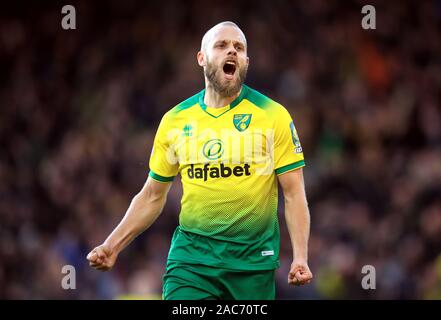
(102, 258)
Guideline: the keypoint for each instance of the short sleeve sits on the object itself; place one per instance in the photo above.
(163, 161)
(288, 154)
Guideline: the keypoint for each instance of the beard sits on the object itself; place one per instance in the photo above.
(225, 88)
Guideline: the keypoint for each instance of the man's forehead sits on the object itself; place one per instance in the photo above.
(227, 33)
(223, 32)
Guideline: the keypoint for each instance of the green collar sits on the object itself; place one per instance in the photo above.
(235, 102)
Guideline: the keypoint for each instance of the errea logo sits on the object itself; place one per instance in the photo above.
(187, 131)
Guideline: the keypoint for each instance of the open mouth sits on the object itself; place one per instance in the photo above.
(229, 68)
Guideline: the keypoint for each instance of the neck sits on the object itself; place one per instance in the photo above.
(212, 99)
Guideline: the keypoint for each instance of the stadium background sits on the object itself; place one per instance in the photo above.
(79, 109)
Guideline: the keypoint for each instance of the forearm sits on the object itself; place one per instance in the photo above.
(298, 223)
(142, 212)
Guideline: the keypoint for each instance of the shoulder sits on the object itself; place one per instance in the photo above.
(272, 107)
(186, 104)
(178, 110)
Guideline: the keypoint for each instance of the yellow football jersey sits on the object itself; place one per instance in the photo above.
(228, 159)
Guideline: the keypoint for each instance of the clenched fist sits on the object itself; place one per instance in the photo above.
(102, 257)
(299, 273)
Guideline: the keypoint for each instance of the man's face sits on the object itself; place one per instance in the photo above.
(225, 60)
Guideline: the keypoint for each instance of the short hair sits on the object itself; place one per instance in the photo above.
(206, 37)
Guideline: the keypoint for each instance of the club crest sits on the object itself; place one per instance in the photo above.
(242, 121)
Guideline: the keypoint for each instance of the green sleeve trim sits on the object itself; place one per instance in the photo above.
(289, 167)
(160, 178)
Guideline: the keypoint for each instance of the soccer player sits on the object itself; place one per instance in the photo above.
(232, 146)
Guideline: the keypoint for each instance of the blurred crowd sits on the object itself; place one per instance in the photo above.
(79, 110)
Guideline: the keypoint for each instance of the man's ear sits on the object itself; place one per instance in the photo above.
(201, 59)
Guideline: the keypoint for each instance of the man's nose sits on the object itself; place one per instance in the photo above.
(232, 51)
